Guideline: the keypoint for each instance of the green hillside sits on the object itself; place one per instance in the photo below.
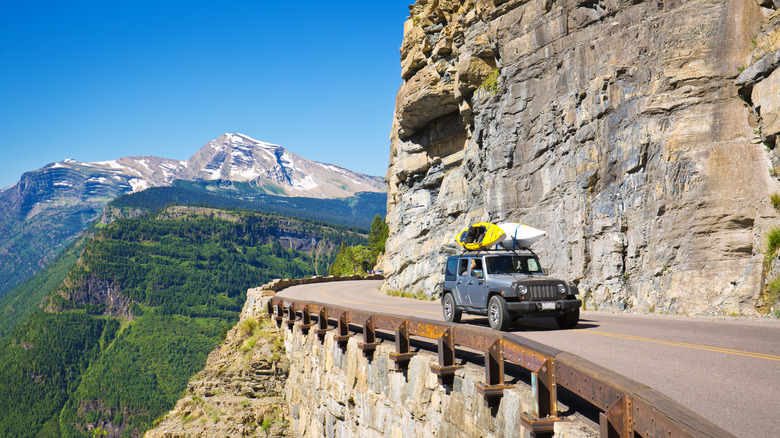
(116, 342)
(22, 301)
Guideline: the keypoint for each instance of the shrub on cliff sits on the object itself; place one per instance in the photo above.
(772, 242)
(772, 288)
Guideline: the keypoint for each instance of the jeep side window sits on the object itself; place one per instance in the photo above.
(476, 268)
(464, 267)
(452, 268)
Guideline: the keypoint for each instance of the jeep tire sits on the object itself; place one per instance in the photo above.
(448, 308)
(498, 316)
(568, 320)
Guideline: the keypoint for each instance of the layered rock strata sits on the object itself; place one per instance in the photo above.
(614, 125)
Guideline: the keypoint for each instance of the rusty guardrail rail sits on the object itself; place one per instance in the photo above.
(628, 408)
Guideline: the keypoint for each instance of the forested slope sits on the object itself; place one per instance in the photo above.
(113, 346)
(358, 210)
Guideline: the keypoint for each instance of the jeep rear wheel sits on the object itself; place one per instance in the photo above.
(498, 316)
(568, 320)
(451, 313)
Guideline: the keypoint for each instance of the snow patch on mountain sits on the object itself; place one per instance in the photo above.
(233, 157)
(139, 184)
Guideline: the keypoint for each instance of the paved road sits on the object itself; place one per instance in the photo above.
(727, 370)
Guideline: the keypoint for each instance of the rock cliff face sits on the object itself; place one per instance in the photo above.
(615, 125)
(239, 393)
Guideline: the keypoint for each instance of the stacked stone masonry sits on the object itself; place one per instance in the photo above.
(335, 393)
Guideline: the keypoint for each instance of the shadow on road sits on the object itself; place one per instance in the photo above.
(531, 324)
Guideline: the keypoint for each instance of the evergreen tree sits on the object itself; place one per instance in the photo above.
(352, 260)
(377, 236)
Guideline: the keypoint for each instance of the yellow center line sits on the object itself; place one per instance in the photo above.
(405, 309)
(683, 344)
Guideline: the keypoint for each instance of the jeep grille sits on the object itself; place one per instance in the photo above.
(542, 292)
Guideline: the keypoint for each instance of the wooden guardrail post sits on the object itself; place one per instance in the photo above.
(279, 314)
(617, 421)
(305, 324)
(541, 422)
(322, 324)
(446, 368)
(291, 316)
(342, 336)
(493, 388)
(369, 338)
(402, 354)
(545, 391)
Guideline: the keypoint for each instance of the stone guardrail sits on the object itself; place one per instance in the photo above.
(628, 408)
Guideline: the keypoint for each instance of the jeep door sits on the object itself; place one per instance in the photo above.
(476, 286)
(461, 284)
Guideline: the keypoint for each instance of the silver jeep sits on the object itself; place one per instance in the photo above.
(505, 286)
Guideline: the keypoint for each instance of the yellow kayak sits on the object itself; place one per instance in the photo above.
(479, 236)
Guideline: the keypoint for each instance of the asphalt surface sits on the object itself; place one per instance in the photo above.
(725, 369)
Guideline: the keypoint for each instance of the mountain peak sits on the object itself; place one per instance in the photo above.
(267, 167)
(271, 168)
(241, 139)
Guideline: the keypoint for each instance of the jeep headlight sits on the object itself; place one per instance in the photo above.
(561, 288)
(520, 289)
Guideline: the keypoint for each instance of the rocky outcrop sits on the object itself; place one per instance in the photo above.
(759, 87)
(240, 392)
(614, 125)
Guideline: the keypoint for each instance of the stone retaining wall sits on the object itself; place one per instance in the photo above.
(335, 393)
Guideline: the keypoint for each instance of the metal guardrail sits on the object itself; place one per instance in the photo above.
(628, 408)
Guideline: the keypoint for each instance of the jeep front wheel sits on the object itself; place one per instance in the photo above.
(451, 313)
(568, 320)
(498, 316)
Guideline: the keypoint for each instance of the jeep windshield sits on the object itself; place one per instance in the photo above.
(513, 264)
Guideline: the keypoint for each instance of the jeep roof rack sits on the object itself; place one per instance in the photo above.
(494, 250)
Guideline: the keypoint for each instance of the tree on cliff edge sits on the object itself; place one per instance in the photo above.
(377, 236)
(359, 259)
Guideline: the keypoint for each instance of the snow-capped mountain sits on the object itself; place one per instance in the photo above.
(236, 157)
(50, 206)
(231, 157)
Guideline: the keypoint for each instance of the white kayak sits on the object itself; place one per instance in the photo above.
(517, 236)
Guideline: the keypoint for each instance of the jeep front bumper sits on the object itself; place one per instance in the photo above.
(543, 308)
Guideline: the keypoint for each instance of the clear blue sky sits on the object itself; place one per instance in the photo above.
(99, 80)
